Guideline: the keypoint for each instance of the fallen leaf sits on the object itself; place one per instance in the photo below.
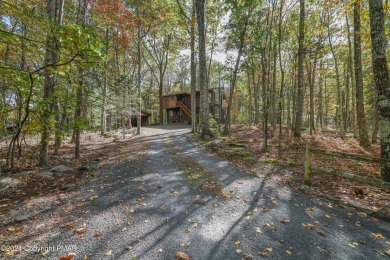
(108, 253)
(146, 221)
(128, 248)
(181, 256)
(387, 252)
(249, 213)
(45, 253)
(328, 216)
(247, 256)
(363, 214)
(378, 251)
(258, 230)
(68, 257)
(238, 251)
(264, 209)
(284, 221)
(263, 254)
(269, 249)
(185, 244)
(237, 243)
(159, 250)
(11, 229)
(80, 230)
(377, 235)
(93, 197)
(96, 235)
(351, 245)
(357, 223)
(199, 201)
(124, 229)
(319, 232)
(308, 226)
(288, 252)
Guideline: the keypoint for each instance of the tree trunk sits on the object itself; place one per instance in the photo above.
(273, 112)
(382, 79)
(256, 86)
(103, 123)
(301, 53)
(49, 82)
(311, 92)
(204, 107)
(193, 71)
(353, 94)
(320, 98)
(346, 111)
(139, 44)
(226, 129)
(361, 118)
(265, 98)
(375, 122)
(79, 95)
(338, 84)
(160, 96)
(250, 99)
(59, 116)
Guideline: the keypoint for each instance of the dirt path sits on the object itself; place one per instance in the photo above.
(177, 197)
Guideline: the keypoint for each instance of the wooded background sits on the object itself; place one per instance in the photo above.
(72, 66)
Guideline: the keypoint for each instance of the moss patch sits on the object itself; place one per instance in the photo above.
(240, 154)
(235, 144)
(272, 161)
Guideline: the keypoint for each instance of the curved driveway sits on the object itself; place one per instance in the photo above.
(145, 210)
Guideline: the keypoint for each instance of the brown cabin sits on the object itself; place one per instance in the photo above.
(178, 106)
(144, 119)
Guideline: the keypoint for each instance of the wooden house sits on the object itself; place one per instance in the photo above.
(178, 106)
(144, 119)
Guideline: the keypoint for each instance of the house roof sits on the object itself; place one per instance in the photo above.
(145, 113)
(175, 94)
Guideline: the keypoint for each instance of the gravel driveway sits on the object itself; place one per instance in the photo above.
(149, 209)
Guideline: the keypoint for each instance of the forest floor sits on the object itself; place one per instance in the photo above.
(244, 147)
(161, 194)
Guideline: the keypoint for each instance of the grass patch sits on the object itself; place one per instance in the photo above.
(354, 165)
(272, 161)
(236, 144)
(293, 163)
(241, 141)
(326, 159)
(240, 154)
(198, 176)
(250, 160)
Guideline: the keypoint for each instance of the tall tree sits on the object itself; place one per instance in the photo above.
(204, 106)
(158, 48)
(361, 117)
(241, 25)
(53, 15)
(382, 79)
(82, 19)
(301, 53)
